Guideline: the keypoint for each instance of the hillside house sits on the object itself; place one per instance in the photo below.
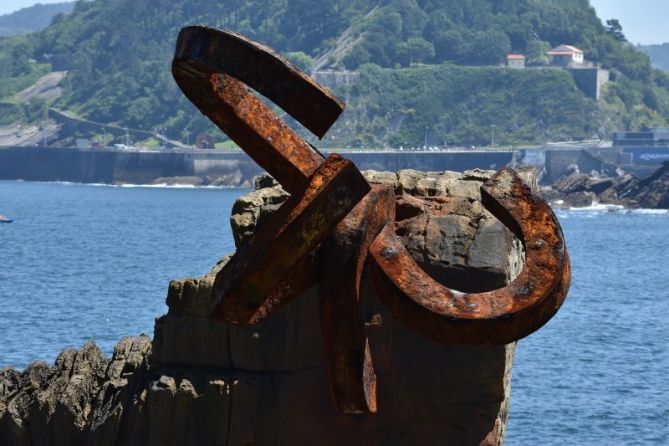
(565, 55)
(515, 61)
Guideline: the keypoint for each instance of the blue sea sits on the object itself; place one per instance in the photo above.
(87, 262)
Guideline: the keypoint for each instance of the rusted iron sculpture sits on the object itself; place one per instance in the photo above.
(335, 225)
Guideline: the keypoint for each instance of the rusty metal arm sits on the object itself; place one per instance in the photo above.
(262, 275)
(347, 354)
(214, 67)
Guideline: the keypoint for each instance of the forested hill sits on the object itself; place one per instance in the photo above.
(33, 18)
(117, 54)
(659, 54)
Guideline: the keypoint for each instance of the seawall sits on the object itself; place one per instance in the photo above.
(234, 168)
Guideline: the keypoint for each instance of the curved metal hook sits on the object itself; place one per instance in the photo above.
(213, 68)
(491, 318)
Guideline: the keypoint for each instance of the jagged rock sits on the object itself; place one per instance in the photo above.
(251, 209)
(205, 382)
(575, 189)
(580, 199)
(56, 405)
(572, 183)
(448, 232)
(653, 192)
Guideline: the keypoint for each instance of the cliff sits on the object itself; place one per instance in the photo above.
(200, 381)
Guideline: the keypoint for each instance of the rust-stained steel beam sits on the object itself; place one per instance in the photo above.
(347, 352)
(212, 67)
(491, 318)
(261, 276)
(262, 69)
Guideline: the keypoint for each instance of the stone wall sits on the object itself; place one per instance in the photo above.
(214, 167)
(205, 382)
(590, 80)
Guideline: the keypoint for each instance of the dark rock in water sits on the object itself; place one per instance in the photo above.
(580, 199)
(201, 381)
(575, 189)
(653, 192)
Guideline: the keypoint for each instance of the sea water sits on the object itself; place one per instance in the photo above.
(93, 262)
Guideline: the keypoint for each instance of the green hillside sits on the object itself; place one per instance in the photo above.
(659, 55)
(427, 67)
(448, 104)
(33, 18)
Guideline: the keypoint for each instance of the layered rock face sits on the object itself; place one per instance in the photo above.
(576, 189)
(653, 192)
(201, 381)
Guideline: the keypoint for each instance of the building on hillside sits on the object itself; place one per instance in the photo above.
(515, 61)
(649, 137)
(644, 151)
(565, 55)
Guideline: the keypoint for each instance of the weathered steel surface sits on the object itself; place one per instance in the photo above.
(495, 317)
(264, 70)
(347, 352)
(212, 67)
(260, 276)
(313, 237)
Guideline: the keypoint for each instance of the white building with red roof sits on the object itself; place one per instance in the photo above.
(515, 61)
(565, 55)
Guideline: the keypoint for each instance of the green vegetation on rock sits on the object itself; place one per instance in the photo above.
(430, 69)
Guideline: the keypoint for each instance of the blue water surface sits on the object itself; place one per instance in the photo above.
(93, 262)
(598, 372)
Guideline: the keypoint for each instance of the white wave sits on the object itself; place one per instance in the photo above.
(173, 186)
(649, 211)
(599, 207)
(154, 186)
(158, 186)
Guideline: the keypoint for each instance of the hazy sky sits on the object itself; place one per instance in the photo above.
(644, 21)
(13, 5)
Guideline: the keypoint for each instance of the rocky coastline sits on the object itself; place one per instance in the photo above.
(199, 381)
(575, 188)
(609, 186)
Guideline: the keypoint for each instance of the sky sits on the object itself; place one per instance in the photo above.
(14, 5)
(643, 21)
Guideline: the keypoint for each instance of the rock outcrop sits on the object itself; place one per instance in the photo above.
(653, 192)
(613, 186)
(204, 382)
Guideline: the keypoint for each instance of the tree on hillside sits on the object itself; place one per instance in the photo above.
(488, 48)
(301, 60)
(414, 50)
(615, 29)
(536, 51)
